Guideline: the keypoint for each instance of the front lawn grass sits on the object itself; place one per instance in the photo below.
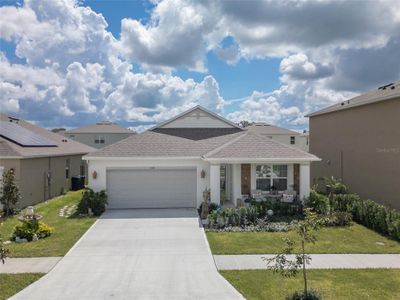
(352, 239)
(66, 230)
(330, 284)
(10, 284)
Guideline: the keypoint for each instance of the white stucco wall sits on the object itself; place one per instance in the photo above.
(101, 166)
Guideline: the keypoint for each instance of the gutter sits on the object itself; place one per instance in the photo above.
(138, 158)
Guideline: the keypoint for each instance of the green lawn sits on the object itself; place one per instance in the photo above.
(66, 230)
(331, 284)
(352, 239)
(11, 284)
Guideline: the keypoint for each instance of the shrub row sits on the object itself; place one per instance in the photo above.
(279, 208)
(367, 212)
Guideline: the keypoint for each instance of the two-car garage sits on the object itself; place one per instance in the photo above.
(151, 188)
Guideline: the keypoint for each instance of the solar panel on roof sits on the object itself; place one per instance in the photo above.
(24, 137)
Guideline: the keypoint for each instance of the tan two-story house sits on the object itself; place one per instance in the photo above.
(358, 141)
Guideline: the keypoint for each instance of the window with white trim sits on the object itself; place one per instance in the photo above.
(292, 140)
(99, 139)
(271, 177)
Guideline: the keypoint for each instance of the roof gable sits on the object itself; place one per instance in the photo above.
(197, 117)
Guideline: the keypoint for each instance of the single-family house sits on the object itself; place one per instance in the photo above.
(43, 161)
(286, 136)
(99, 135)
(173, 163)
(358, 141)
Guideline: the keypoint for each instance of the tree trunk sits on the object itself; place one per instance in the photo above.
(304, 269)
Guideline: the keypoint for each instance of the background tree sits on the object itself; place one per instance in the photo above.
(289, 267)
(10, 193)
(57, 130)
(334, 186)
(244, 124)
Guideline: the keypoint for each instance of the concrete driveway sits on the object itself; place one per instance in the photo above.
(137, 254)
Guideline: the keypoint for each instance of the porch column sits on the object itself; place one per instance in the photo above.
(215, 188)
(304, 181)
(236, 183)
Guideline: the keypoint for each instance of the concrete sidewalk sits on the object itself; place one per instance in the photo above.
(29, 265)
(319, 261)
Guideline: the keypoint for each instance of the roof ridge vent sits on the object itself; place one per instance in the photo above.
(104, 123)
(383, 87)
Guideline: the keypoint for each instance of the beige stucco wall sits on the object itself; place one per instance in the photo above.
(30, 174)
(89, 138)
(362, 146)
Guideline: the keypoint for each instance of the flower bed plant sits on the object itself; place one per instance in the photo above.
(32, 230)
(254, 218)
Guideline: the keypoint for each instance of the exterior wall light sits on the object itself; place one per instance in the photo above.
(94, 174)
(203, 174)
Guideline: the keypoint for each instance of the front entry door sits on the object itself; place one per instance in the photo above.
(246, 179)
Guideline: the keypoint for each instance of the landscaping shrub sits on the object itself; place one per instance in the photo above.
(338, 218)
(29, 229)
(311, 295)
(96, 201)
(4, 252)
(319, 202)
(367, 212)
(9, 193)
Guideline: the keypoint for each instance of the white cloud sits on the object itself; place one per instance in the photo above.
(300, 67)
(77, 70)
(175, 36)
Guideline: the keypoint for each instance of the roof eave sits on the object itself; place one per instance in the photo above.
(137, 158)
(324, 111)
(257, 160)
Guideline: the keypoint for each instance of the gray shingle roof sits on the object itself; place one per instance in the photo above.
(242, 144)
(377, 95)
(254, 146)
(154, 144)
(64, 146)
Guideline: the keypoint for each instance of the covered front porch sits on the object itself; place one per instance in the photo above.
(232, 182)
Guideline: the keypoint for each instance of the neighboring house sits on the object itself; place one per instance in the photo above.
(290, 137)
(358, 141)
(100, 134)
(43, 161)
(171, 164)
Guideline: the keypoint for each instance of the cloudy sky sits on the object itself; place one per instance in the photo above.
(65, 63)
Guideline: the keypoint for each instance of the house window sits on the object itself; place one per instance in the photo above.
(271, 176)
(67, 165)
(292, 140)
(99, 139)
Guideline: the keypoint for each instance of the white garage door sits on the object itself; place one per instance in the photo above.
(151, 188)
